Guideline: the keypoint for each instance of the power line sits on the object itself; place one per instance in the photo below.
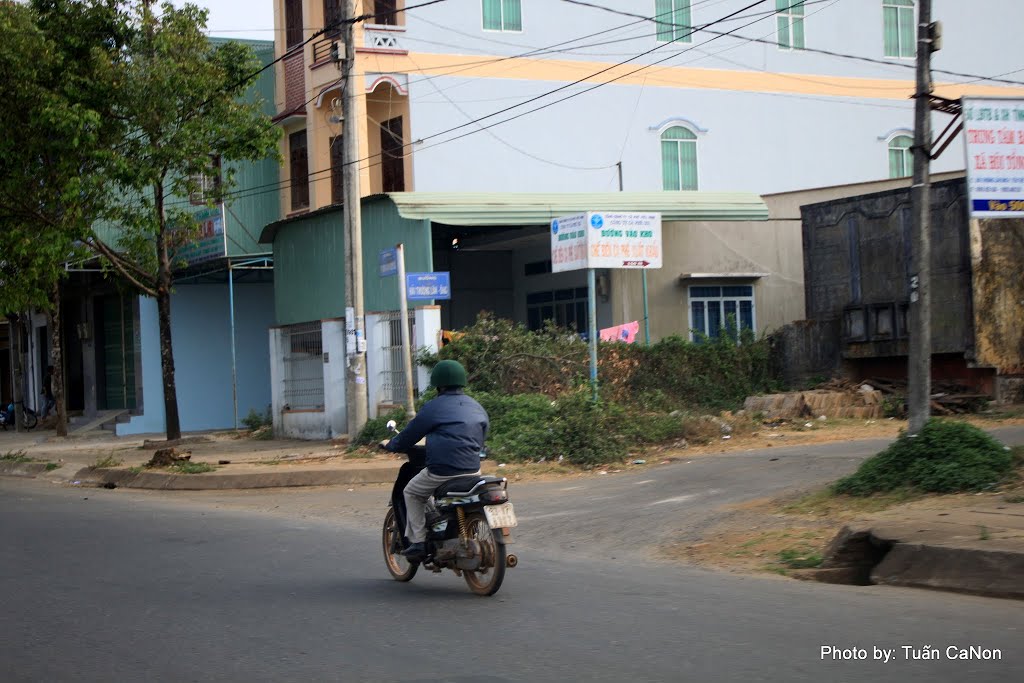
(830, 53)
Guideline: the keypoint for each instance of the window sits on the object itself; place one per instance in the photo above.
(565, 307)
(898, 17)
(901, 157)
(714, 308)
(337, 171)
(203, 187)
(503, 15)
(385, 11)
(673, 20)
(299, 166)
(332, 17)
(790, 18)
(392, 156)
(292, 22)
(678, 159)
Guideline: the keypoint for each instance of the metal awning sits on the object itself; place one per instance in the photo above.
(539, 208)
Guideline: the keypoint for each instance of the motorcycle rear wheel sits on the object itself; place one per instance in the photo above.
(401, 569)
(486, 580)
(28, 419)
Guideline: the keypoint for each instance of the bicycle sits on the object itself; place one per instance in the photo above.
(29, 419)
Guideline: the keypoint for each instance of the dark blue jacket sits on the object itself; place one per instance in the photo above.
(455, 426)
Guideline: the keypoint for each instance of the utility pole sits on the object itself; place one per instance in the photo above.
(355, 339)
(920, 352)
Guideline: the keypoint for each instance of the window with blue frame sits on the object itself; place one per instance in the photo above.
(715, 308)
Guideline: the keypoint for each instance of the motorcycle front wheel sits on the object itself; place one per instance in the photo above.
(486, 580)
(401, 569)
(28, 419)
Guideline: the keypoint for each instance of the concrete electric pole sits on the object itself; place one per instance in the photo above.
(919, 366)
(355, 337)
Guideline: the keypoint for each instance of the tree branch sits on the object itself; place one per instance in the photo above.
(123, 266)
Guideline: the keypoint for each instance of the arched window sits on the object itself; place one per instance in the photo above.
(678, 159)
(901, 158)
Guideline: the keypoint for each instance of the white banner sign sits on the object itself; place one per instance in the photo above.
(606, 239)
(994, 143)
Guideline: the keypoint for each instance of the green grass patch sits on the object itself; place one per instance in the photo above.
(109, 460)
(15, 456)
(51, 466)
(826, 502)
(1014, 498)
(189, 467)
(945, 457)
(800, 558)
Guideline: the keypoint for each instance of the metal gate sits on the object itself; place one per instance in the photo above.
(392, 372)
(303, 366)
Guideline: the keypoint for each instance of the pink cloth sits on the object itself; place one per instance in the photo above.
(625, 333)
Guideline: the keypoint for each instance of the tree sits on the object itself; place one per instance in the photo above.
(179, 99)
(60, 60)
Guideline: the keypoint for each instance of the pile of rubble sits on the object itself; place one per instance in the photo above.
(869, 399)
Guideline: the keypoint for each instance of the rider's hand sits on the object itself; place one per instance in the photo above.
(383, 445)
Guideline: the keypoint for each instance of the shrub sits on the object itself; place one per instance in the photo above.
(254, 420)
(946, 457)
(376, 429)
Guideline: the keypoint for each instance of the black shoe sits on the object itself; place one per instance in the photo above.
(416, 552)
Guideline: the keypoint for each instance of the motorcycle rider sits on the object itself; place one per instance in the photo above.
(455, 427)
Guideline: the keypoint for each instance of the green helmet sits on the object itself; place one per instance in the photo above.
(448, 373)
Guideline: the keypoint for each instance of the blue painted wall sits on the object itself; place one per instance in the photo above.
(201, 331)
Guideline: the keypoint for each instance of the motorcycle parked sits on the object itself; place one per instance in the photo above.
(28, 416)
(469, 524)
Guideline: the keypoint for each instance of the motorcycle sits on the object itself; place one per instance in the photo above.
(28, 416)
(469, 525)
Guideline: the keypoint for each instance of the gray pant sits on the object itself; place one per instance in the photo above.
(416, 493)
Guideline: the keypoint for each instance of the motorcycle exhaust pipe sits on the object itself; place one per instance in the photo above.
(511, 560)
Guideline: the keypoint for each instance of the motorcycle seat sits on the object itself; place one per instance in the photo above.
(466, 486)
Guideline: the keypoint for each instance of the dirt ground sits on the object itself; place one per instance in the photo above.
(790, 532)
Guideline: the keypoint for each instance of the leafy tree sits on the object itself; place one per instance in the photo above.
(179, 99)
(60, 62)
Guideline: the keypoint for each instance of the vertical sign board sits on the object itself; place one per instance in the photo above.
(994, 145)
(387, 262)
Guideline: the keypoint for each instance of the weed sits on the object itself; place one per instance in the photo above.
(51, 466)
(945, 457)
(264, 433)
(983, 535)
(827, 503)
(109, 460)
(1014, 498)
(15, 456)
(137, 469)
(801, 558)
(255, 421)
(189, 467)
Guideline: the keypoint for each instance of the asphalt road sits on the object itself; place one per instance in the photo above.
(99, 585)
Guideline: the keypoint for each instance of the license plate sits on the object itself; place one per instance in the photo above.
(500, 516)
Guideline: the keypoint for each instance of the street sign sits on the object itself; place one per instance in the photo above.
(606, 239)
(994, 145)
(387, 262)
(428, 285)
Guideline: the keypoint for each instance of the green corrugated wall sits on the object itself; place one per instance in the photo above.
(309, 258)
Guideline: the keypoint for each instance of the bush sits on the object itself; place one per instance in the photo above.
(376, 429)
(946, 457)
(532, 427)
(254, 420)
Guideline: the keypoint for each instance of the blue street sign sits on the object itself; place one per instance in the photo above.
(428, 286)
(387, 262)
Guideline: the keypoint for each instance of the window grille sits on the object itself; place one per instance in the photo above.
(392, 370)
(304, 366)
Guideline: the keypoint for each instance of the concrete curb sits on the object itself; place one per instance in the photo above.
(22, 469)
(249, 480)
(865, 556)
(996, 573)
